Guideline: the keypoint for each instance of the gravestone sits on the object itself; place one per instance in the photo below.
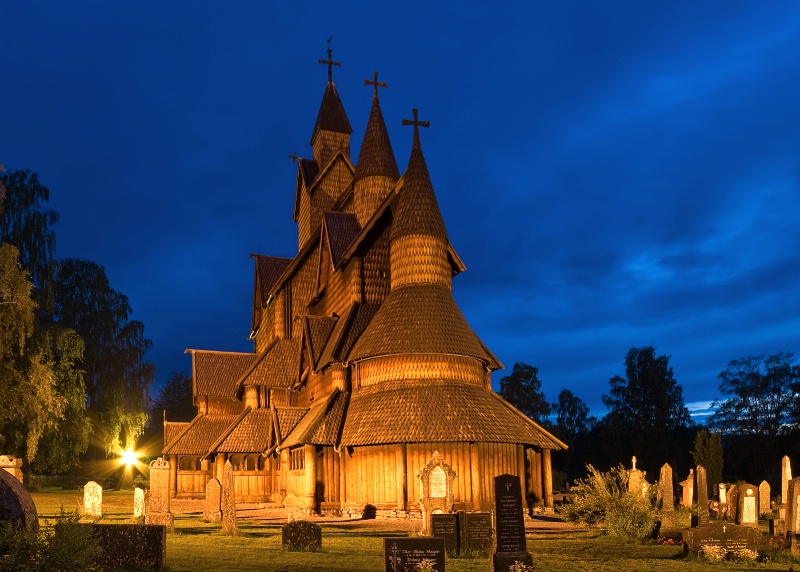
(228, 501)
(729, 536)
(732, 495)
(723, 500)
(301, 536)
(446, 526)
(665, 500)
(747, 511)
(92, 500)
(212, 512)
(436, 479)
(131, 546)
(687, 490)
(635, 479)
(764, 494)
(158, 502)
(786, 477)
(138, 503)
(476, 531)
(16, 504)
(701, 490)
(401, 554)
(510, 545)
(11, 465)
(793, 510)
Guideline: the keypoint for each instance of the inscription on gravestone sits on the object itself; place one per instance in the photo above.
(510, 545)
(438, 483)
(749, 513)
(764, 498)
(731, 537)
(476, 532)
(445, 526)
(406, 554)
(158, 503)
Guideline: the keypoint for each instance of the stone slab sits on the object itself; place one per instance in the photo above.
(477, 534)
(446, 526)
(732, 537)
(16, 504)
(402, 553)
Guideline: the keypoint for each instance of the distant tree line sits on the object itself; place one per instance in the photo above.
(755, 421)
(73, 372)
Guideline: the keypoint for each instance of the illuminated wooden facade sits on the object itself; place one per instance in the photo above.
(363, 364)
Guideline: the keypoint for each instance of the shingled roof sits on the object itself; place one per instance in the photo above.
(341, 229)
(420, 318)
(376, 157)
(317, 332)
(331, 116)
(321, 423)
(277, 366)
(437, 412)
(285, 419)
(199, 435)
(416, 210)
(217, 373)
(347, 331)
(251, 433)
(268, 270)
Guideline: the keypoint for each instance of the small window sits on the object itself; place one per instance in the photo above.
(297, 460)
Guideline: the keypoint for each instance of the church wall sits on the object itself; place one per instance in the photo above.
(420, 258)
(376, 274)
(327, 191)
(327, 477)
(224, 406)
(303, 218)
(496, 459)
(434, 367)
(456, 454)
(371, 476)
(303, 290)
(318, 386)
(326, 143)
(368, 195)
(533, 466)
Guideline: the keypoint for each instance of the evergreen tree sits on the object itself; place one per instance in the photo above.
(708, 453)
(522, 389)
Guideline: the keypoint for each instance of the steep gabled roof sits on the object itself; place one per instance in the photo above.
(316, 332)
(437, 412)
(331, 116)
(340, 230)
(347, 331)
(251, 433)
(217, 373)
(376, 157)
(174, 428)
(277, 366)
(285, 419)
(420, 318)
(199, 435)
(322, 420)
(267, 272)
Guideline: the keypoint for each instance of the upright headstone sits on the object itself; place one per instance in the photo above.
(212, 512)
(687, 490)
(764, 495)
(446, 526)
(16, 504)
(11, 465)
(786, 476)
(747, 512)
(436, 490)
(635, 479)
(793, 510)
(158, 504)
(666, 500)
(476, 531)
(510, 544)
(416, 553)
(701, 488)
(228, 501)
(92, 500)
(138, 503)
(732, 495)
(301, 536)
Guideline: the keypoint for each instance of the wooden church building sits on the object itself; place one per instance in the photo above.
(363, 364)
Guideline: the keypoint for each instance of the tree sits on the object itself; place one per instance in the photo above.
(572, 416)
(117, 377)
(647, 416)
(175, 398)
(708, 453)
(759, 405)
(523, 390)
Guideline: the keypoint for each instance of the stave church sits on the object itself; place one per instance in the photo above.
(363, 365)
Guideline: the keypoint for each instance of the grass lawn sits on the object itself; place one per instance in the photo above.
(197, 546)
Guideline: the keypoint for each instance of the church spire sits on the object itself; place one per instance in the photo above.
(376, 171)
(332, 129)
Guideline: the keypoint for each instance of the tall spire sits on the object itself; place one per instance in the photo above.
(417, 210)
(331, 118)
(376, 157)
(330, 61)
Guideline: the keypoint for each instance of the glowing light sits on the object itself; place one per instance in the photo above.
(129, 457)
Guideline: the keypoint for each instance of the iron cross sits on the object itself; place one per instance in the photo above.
(376, 83)
(294, 157)
(330, 62)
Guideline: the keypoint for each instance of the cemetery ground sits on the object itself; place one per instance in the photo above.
(355, 545)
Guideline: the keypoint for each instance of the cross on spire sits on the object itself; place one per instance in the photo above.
(376, 83)
(330, 62)
(417, 124)
(294, 157)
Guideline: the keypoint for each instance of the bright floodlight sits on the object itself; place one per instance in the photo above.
(129, 457)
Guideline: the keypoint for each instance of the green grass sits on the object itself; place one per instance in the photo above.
(198, 546)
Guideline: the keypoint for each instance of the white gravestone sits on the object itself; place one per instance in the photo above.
(92, 500)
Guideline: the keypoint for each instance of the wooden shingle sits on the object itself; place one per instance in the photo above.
(217, 373)
(199, 435)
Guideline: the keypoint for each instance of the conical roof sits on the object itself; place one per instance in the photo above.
(331, 116)
(416, 210)
(376, 157)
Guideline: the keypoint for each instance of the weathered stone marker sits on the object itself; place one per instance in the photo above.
(301, 535)
(786, 476)
(635, 479)
(436, 479)
(510, 544)
(212, 512)
(666, 495)
(446, 526)
(16, 504)
(747, 512)
(476, 531)
(401, 554)
(138, 503)
(729, 536)
(158, 504)
(733, 502)
(11, 465)
(764, 496)
(229, 501)
(687, 489)
(92, 500)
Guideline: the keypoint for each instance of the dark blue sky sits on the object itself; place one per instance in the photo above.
(612, 173)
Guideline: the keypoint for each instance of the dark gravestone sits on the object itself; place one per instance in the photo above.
(510, 545)
(732, 497)
(131, 546)
(731, 537)
(446, 526)
(16, 505)
(301, 535)
(406, 554)
(476, 532)
(701, 492)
